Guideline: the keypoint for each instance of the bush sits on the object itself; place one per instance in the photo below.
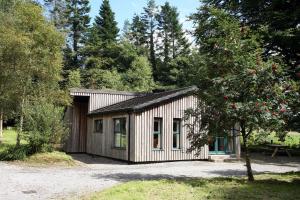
(15, 153)
(43, 126)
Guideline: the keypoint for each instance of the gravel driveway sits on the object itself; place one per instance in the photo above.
(23, 182)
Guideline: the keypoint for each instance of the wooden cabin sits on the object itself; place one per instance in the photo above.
(138, 127)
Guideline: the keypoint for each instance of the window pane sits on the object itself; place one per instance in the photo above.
(117, 140)
(98, 126)
(123, 126)
(176, 140)
(156, 141)
(123, 141)
(156, 126)
(117, 125)
(175, 126)
(120, 132)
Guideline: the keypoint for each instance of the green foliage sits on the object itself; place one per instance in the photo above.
(149, 19)
(139, 76)
(236, 85)
(8, 150)
(275, 21)
(44, 126)
(173, 45)
(25, 38)
(105, 24)
(77, 14)
(100, 79)
(57, 9)
(74, 79)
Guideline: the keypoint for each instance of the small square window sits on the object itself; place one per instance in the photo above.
(98, 126)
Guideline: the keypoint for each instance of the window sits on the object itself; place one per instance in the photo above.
(98, 126)
(176, 133)
(120, 132)
(157, 131)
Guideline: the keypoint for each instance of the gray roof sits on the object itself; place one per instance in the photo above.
(147, 100)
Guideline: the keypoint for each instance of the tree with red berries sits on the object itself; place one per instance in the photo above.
(236, 85)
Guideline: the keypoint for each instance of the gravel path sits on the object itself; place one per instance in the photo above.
(22, 182)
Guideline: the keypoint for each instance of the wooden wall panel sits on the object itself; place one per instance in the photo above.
(102, 144)
(144, 129)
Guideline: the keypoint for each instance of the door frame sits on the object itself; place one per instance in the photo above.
(216, 144)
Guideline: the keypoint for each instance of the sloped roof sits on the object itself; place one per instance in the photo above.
(141, 102)
(87, 92)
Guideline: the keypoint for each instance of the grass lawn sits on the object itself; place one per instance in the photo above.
(267, 186)
(292, 139)
(39, 159)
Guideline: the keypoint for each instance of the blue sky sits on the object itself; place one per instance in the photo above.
(125, 9)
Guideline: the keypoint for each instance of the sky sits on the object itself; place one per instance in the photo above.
(125, 9)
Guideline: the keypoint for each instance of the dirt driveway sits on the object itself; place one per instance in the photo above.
(23, 182)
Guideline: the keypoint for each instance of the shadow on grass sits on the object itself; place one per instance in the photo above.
(124, 177)
(267, 186)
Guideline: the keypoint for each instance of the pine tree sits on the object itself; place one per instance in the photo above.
(77, 13)
(105, 23)
(138, 32)
(149, 19)
(174, 42)
(56, 9)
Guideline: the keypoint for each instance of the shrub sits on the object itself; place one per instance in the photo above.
(15, 153)
(43, 126)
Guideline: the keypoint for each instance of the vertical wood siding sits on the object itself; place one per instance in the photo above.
(77, 119)
(76, 114)
(99, 100)
(143, 140)
(102, 144)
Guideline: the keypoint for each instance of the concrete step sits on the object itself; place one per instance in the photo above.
(221, 158)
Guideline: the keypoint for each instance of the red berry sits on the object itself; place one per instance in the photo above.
(282, 110)
(225, 97)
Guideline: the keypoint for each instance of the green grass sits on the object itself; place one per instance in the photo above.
(292, 139)
(267, 186)
(39, 159)
(50, 159)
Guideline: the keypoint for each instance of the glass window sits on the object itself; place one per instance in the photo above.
(98, 126)
(120, 132)
(157, 131)
(176, 133)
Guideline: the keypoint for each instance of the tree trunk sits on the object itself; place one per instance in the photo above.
(1, 125)
(247, 156)
(21, 124)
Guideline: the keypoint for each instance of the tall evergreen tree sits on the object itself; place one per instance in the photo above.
(56, 9)
(105, 23)
(172, 34)
(174, 42)
(138, 32)
(77, 13)
(149, 19)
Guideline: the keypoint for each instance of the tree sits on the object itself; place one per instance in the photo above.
(236, 84)
(173, 43)
(138, 32)
(149, 19)
(77, 14)
(57, 9)
(23, 71)
(105, 23)
(139, 77)
(276, 21)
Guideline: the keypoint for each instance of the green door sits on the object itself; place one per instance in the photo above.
(218, 145)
